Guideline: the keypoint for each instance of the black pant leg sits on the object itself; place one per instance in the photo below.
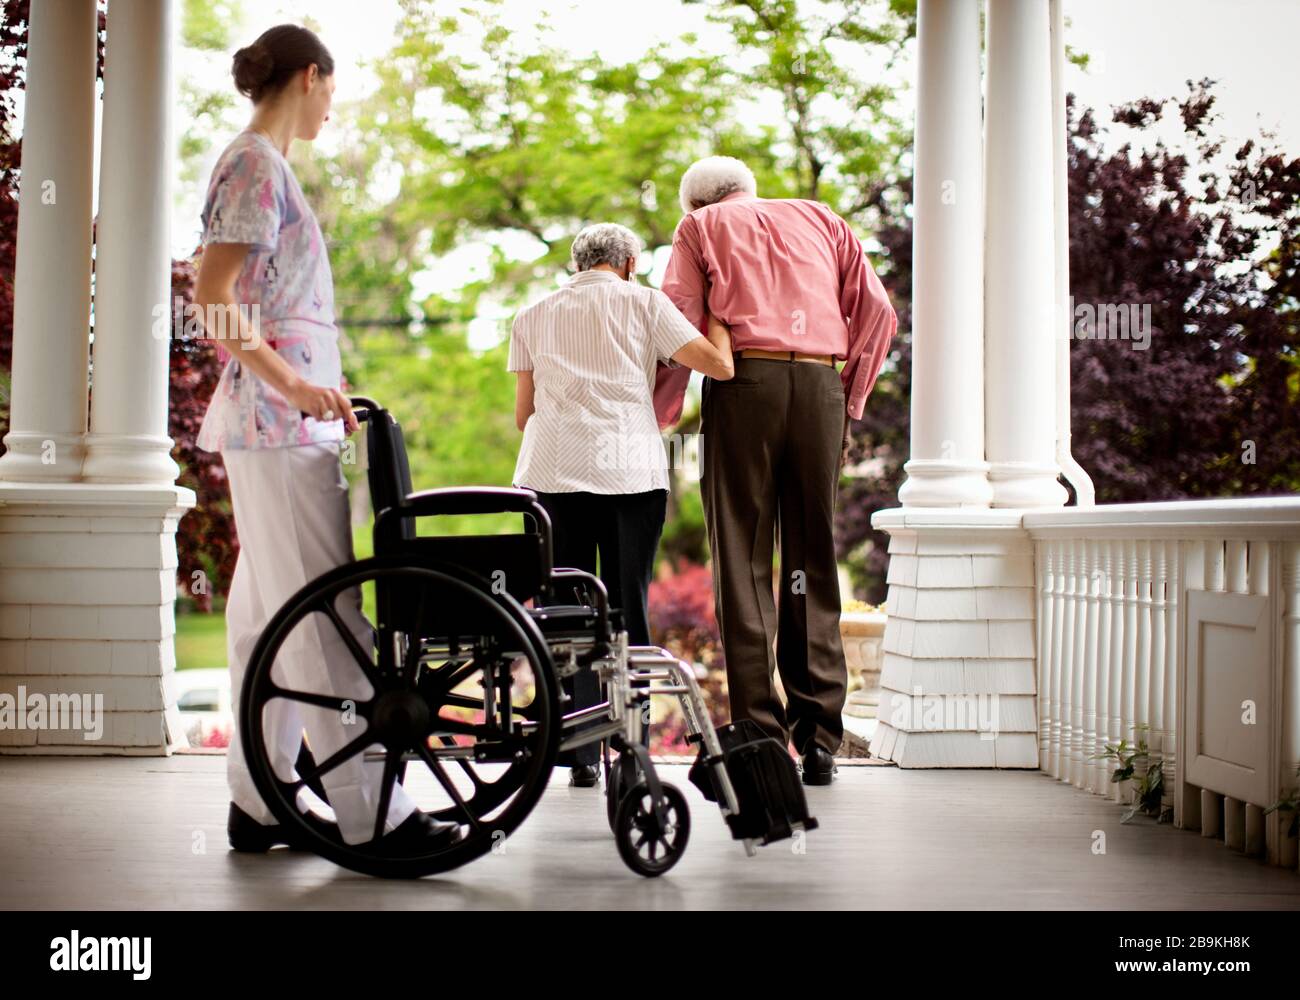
(628, 545)
(629, 528)
(573, 542)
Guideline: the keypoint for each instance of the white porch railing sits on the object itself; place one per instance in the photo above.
(1177, 625)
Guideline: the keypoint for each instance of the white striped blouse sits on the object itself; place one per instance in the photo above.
(592, 347)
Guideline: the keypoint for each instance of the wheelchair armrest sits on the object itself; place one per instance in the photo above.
(468, 500)
(602, 601)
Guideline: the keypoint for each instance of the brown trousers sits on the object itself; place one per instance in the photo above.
(771, 452)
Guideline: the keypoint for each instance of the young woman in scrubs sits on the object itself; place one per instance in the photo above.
(278, 417)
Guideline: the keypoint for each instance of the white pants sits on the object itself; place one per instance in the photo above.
(291, 512)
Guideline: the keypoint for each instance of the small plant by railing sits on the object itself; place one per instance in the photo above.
(1129, 759)
(1289, 803)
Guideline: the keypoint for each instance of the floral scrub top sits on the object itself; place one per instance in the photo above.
(253, 197)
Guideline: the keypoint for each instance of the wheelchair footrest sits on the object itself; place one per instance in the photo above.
(765, 780)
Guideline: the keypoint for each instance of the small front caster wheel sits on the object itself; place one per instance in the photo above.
(648, 845)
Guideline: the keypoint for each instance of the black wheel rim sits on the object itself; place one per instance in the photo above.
(485, 773)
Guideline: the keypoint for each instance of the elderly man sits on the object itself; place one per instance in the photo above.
(792, 282)
(585, 358)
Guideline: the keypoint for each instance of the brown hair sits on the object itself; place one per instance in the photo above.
(264, 67)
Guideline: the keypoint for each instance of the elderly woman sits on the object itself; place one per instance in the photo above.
(586, 357)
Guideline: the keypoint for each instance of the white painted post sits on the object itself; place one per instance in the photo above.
(1020, 321)
(947, 467)
(128, 442)
(52, 272)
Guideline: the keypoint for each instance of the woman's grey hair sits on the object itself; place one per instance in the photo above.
(712, 179)
(604, 243)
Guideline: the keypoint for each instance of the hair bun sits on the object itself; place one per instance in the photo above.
(252, 67)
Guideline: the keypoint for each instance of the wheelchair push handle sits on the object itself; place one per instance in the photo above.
(361, 407)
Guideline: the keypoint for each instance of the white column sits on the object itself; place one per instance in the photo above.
(1020, 320)
(52, 272)
(128, 442)
(947, 466)
(1084, 492)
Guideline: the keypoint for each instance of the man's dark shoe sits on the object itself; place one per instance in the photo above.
(419, 833)
(248, 835)
(818, 766)
(584, 776)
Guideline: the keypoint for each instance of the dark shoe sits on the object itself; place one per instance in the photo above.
(584, 776)
(248, 835)
(419, 833)
(818, 766)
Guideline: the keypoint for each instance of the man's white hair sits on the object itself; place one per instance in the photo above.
(712, 179)
(604, 243)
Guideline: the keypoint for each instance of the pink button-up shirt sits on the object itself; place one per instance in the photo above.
(786, 275)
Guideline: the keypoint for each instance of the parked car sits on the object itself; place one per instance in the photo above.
(203, 696)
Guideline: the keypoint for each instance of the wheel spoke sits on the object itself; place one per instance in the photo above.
(341, 756)
(413, 641)
(432, 762)
(392, 762)
(479, 783)
(362, 658)
(311, 698)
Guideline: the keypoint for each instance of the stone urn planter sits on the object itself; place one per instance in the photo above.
(862, 632)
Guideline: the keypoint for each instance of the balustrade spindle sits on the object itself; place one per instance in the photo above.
(1092, 603)
(1047, 706)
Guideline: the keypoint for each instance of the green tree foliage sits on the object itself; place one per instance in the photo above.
(498, 138)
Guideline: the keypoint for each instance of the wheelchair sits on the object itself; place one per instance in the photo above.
(465, 708)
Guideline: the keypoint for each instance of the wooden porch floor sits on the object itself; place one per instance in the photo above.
(121, 833)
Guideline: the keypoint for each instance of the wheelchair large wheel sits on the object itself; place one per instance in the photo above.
(454, 680)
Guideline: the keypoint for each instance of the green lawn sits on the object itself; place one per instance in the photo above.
(200, 640)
